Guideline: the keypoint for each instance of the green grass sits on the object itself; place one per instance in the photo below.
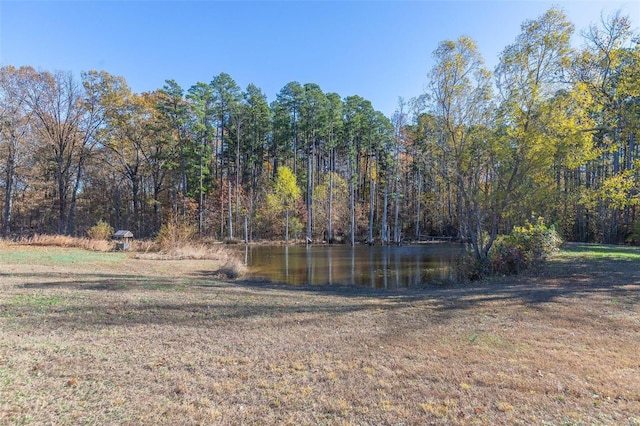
(600, 252)
(31, 304)
(59, 256)
(35, 300)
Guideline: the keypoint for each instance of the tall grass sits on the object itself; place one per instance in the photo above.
(69, 242)
(172, 245)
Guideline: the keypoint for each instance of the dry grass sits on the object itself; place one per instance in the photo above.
(144, 246)
(186, 251)
(145, 249)
(142, 341)
(66, 241)
(230, 265)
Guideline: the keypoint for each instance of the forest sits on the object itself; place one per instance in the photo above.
(549, 133)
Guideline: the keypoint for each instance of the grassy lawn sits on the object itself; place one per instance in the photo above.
(597, 252)
(58, 256)
(107, 339)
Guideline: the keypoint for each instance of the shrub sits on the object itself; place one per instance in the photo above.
(175, 235)
(524, 247)
(100, 231)
(232, 268)
(470, 268)
(506, 258)
(633, 237)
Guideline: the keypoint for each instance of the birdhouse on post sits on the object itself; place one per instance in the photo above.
(123, 239)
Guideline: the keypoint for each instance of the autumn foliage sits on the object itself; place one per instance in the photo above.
(551, 131)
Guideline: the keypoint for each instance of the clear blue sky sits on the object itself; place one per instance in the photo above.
(379, 50)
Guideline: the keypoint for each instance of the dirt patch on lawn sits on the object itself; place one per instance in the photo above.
(135, 341)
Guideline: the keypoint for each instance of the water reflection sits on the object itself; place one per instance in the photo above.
(380, 267)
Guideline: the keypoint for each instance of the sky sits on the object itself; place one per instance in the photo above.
(380, 50)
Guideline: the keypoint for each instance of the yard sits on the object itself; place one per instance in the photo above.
(95, 338)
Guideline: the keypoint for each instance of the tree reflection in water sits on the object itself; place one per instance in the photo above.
(386, 267)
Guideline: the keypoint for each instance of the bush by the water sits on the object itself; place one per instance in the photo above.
(471, 268)
(523, 248)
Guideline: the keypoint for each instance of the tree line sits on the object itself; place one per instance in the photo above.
(551, 133)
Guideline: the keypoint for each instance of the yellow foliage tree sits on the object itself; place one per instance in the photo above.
(285, 195)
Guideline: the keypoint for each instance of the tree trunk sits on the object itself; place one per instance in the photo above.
(396, 226)
(8, 195)
(72, 205)
(183, 182)
(238, 171)
(200, 195)
(309, 190)
(74, 196)
(383, 232)
(230, 211)
(352, 212)
(418, 201)
(62, 203)
(372, 191)
(286, 233)
(135, 193)
(330, 225)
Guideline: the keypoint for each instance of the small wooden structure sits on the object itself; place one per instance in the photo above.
(123, 239)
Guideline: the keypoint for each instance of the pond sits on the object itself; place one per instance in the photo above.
(388, 267)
